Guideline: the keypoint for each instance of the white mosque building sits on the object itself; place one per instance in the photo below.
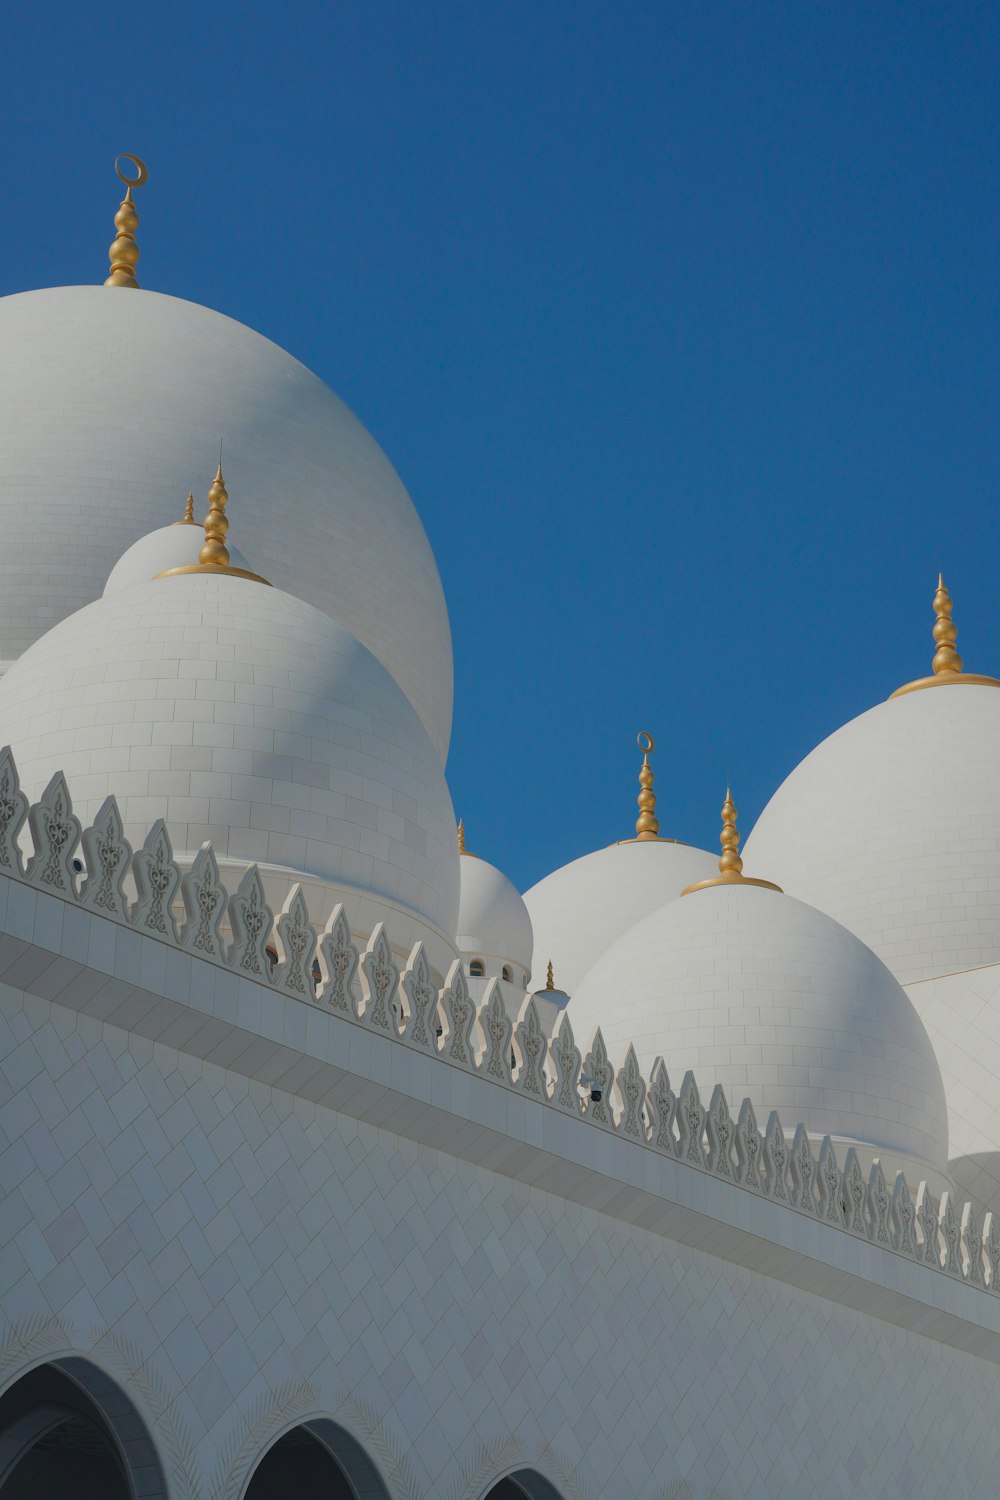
(333, 1168)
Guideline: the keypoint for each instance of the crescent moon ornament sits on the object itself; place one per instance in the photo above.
(645, 742)
(140, 166)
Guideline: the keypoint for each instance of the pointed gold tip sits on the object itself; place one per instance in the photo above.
(730, 864)
(550, 982)
(188, 517)
(947, 664)
(461, 837)
(214, 555)
(646, 824)
(124, 252)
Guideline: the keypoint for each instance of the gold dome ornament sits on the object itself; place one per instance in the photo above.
(187, 519)
(214, 555)
(550, 978)
(947, 663)
(124, 252)
(730, 864)
(461, 840)
(647, 825)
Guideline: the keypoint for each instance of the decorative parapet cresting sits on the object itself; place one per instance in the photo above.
(96, 869)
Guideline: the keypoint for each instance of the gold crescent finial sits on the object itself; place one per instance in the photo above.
(124, 252)
(947, 663)
(188, 517)
(550, 981)
(646, 824)
(214, 555)
(730, 864)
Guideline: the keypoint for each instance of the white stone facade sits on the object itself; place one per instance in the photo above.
(253, 1202)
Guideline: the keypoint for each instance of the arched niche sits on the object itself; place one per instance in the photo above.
(522, 1484)
(318, 1460)
(69, 1432)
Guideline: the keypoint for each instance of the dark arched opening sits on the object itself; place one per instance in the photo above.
(67, 1432)
(316, 1461)
(524, 1484)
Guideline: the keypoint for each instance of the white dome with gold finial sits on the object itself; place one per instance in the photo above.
(494, 928)
(580, 909)
(167, 547)
(97, 387)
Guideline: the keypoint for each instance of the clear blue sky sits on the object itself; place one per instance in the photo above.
(678, 320)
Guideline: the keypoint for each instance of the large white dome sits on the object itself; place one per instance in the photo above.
(892, 825)
(778, 1003)
(579, 910)
(493, 921)
(112, 406)
(245, 716)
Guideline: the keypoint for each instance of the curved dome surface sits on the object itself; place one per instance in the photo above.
(580, 909)
(167, 547)
(892, 825)
(492, 917)
(112, 407)
(777, 1002)
(245, 716)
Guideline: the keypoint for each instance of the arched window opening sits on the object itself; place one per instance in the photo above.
(316, 1461)
(477, 969)
(507, 974)
(67, 1432)
(525, 1484)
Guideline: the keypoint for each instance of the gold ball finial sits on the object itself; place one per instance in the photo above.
(461, 837)
(550, 980)
(730, 864)
(124, 252)
(946, 658)
(188, 517)
(214, 555)
(646, 824)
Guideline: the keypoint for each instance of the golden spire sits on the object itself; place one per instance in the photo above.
(947, 663)
(188, 517)
(124, 252)
(646, 824)
(730, 864)
(461, 840)
(550, 981)
(214, 555)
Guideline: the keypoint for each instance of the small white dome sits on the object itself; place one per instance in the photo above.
(904, 805)
(168, 547)
(778, 1003)
(493, 920)
(242, 715)
(112, 406)
(579, 910)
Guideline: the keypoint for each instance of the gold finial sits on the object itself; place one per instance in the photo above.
(124, 252)
(550, 979)
(188, 517)
(947, 663)
(461, 838)
(730, 864)
(214, 555)
(646, 824)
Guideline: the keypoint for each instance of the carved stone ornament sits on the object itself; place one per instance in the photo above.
(13, 811)
(296, 947)
(597, 1078)
(460, 1017)
(690, 1122)
(856, 1189)
(156, 881)
(55, 834)
(379, 979)
(251, 920)
(880, 1206)
(928, 1226)
(749, 1149)
(496, 1028)
(776, 1158)
(339, 961)
(720, 1131)
(904, 1217)
(531, 1052)
(803, 1172)
(661, 1106)
(950, 1235)
(205, 899)
(830, 1182)
(107, 855)
(567, 1060)
(972, 1247)
(991, 1249)
(420, 996)
(632, 1088)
